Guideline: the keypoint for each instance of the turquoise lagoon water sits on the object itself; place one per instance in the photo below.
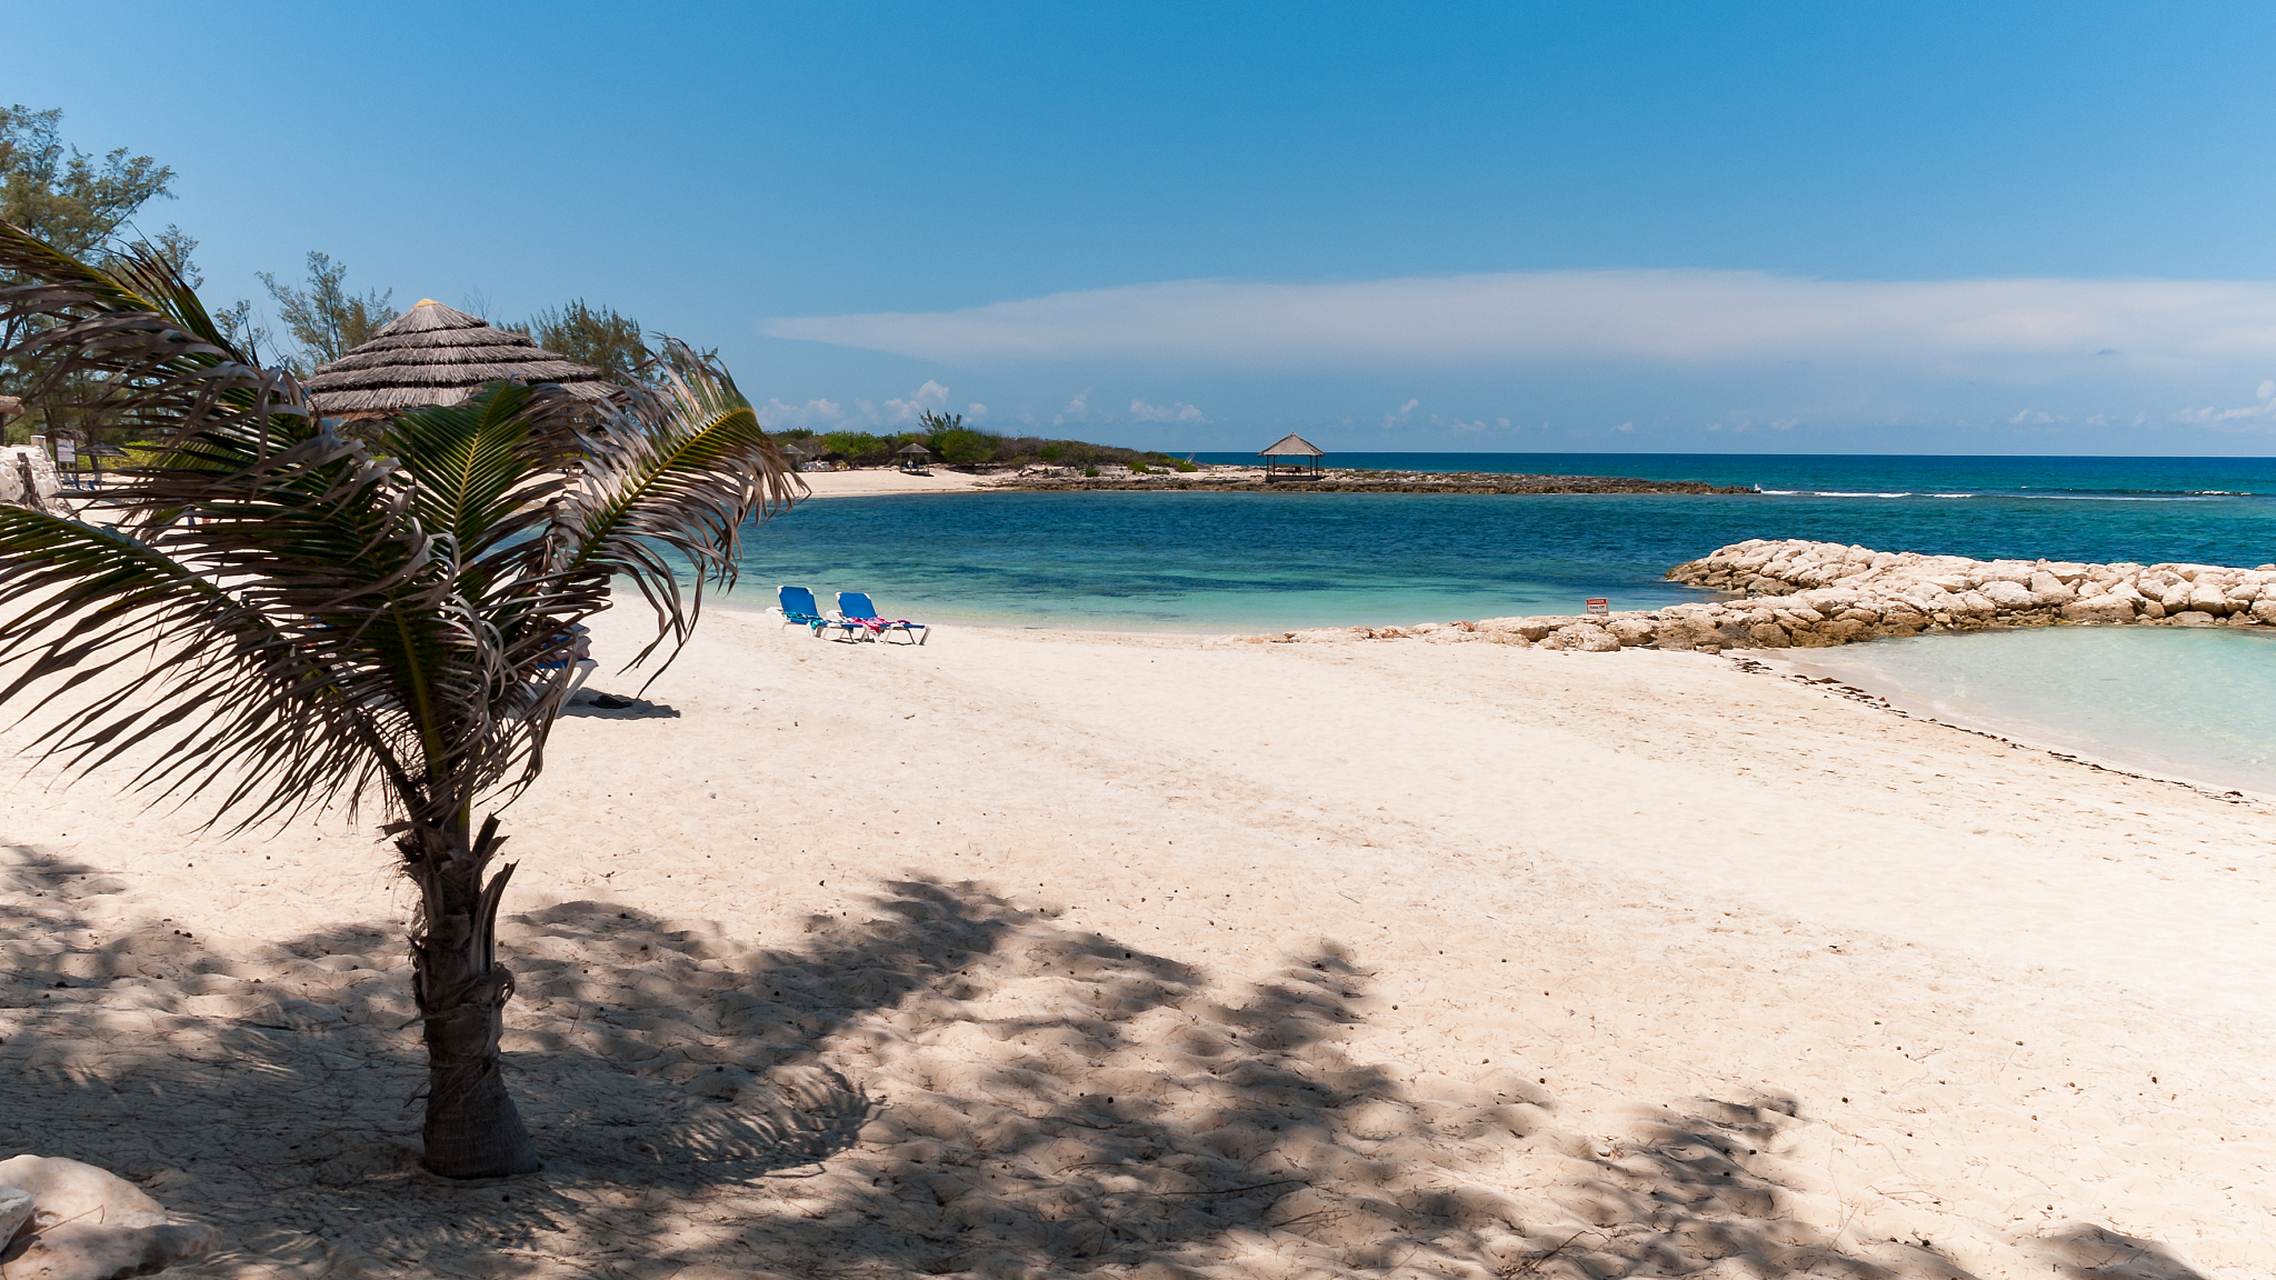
(2197, 704)
(1215, 563)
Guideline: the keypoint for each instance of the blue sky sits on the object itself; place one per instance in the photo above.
(2012, 228)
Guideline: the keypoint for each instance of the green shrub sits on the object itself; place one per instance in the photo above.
(962, 446)
(1140, 469)
(1184, 464)
(853, 444)
(1090, 471)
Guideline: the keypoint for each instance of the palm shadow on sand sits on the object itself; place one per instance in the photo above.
(951, 1086)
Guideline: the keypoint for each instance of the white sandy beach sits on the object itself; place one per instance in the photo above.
(1055, 954)
(874, 481)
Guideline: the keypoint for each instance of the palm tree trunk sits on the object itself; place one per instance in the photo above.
(472, 1129)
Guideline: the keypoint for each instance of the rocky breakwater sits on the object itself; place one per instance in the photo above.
(1815, 594)
(1821, 593)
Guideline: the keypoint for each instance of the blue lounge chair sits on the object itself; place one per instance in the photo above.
(855, 607)
(798, 608)
(575, 654)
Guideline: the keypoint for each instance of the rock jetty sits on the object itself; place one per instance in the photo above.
(1800, 594)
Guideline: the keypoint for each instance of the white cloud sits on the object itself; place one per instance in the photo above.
(2035, 417)
(975, 411)
(814, 415)
(2264, 410)
(931, 396)
(1405, 412)
(1077, 410)
(828, 415)
(1684, 316)
(1140, 411)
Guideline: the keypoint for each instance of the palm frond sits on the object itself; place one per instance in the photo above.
(677, 479)
(141, 649)
(152, 356)
(281, 614)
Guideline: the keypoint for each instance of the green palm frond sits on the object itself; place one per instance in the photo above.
(143, 649)
(678, 477)
(160, 366)
(313, 614)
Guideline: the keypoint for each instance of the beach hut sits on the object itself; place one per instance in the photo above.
(438, 355)
(1291, 457)
(913, 456)
(796, 456)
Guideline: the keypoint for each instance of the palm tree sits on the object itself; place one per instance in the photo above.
(275, 617)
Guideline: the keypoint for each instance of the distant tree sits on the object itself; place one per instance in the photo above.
(324, 318)
(853, 446)
(597, 337)
(63, 195)
(78, 203)
(957, 444)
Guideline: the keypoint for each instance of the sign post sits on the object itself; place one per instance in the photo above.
(1599, 605)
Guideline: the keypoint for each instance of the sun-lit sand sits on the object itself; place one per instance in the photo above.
(882, 480)
(1055, 954)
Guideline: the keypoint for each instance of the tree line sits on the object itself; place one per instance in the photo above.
(85, 206)
(950, 441)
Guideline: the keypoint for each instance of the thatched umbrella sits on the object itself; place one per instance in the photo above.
(1306, 454)
(436, 355)
(916, 455)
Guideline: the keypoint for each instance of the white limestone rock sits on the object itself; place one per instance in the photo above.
(15, 1211)
(64, 1189)
(1582, 637)
(2206, 597)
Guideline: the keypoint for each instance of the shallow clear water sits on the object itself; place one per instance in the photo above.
(2196, 703)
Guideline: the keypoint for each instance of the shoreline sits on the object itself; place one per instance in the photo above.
(1221, 478)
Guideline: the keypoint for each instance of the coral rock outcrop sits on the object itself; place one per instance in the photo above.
(1799, 594)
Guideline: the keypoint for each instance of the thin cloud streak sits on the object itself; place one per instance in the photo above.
(1678, 317)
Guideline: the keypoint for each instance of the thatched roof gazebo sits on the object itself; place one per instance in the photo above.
(913, 455)
(438, 355)
(1306, 455)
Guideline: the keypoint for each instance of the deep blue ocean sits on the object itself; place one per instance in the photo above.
(1216, 563)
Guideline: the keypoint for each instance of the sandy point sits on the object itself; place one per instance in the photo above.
(885, 480)
(1146, 956)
